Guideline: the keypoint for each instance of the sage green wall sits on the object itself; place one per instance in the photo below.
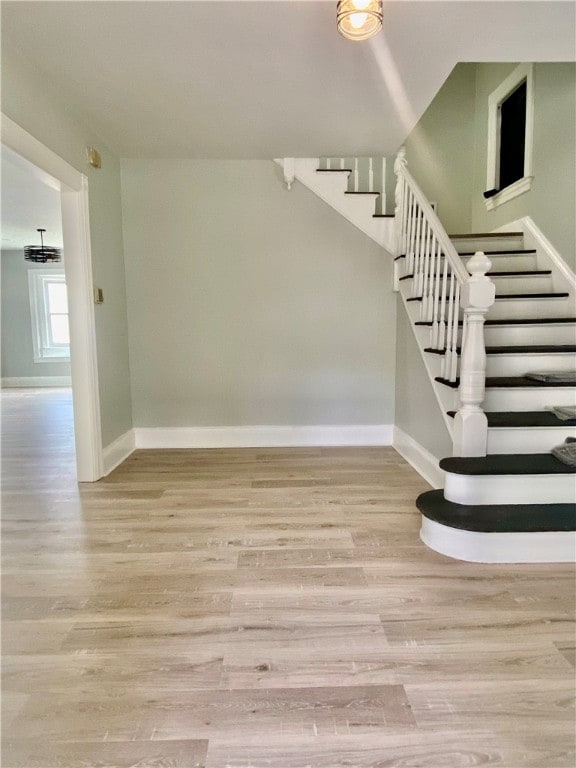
(27, 98)
(440, 149)
(417, 410)
(447, 153)
(249, 304)
(551, 202)
(17, 347)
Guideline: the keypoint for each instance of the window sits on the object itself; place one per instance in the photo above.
(510, 118)
(49, 313)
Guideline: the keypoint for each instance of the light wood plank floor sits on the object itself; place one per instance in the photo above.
(262, 608)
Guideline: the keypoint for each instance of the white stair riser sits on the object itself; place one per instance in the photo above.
(504, 243)
(510, 263)
(529, 399)
(527, 439)
(508, 309)
(518, 335)
(518, 365)
(523, 284)
(548, 333)
(510, 489)
(545, 547)
(362, 206)
(448, 397)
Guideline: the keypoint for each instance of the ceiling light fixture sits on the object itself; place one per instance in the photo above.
(42, 253)
(359, 19)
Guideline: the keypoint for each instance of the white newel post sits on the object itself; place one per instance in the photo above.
(471, 425)
(399, 163)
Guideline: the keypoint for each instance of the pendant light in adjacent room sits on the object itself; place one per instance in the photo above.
(42, 254)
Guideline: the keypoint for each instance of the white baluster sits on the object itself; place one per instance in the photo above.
(370, 176)
(341, 163)
(328, 163)
(435, 305)
(450, 301)
(410, 239)
(424, 290)
(471, 426)
(383, 185)
(356, 174)
(417, 251)
(429, 282)
(453, 372)
(442, 316)
(399, 218)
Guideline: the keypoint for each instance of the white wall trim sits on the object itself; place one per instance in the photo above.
(262, 436)
(36, 381)
(118, 451)
(76, 239)
(476, 547)
(424, 462)
(520, 73)
(25, 145)
(538, 239)
(509, 193)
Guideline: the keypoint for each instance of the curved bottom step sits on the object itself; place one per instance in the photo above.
(498, 533)
(479, 547)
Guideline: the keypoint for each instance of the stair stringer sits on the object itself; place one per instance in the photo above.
(442, 394)
(357, 209)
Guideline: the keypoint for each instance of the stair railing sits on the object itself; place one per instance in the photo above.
(442, 284)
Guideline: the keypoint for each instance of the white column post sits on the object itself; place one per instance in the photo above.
(399, 217)
(471, 426)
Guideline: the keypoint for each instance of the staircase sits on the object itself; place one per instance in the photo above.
(486, 309)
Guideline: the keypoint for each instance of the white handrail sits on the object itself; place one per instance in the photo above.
(432, 219)
(443, 286)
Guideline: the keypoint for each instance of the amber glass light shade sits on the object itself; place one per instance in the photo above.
(359, 19)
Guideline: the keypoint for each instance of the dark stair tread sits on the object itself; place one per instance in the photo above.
(528, 272)
(522, 381)
(530, 349)
(518, 251)
(383, 216)
(521, 273)
(506, 381)
(363, 193)
(532, 321)
(507, 464)
(497, 518)
(516, 296)
(561, 295)
(333, 170)
(476, 235)
(523, 419)
(527, 349)
(512, 321)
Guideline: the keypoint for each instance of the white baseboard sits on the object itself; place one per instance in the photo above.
(480, 547)
(118, 451)
(424, 462)
(36, 381)
(262, 436)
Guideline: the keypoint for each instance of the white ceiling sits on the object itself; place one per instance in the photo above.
(164, 78)
(29, 201)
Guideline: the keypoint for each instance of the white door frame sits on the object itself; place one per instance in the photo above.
(73, 186)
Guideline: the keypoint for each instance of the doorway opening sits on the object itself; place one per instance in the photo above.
(57, 308)
(37, 414)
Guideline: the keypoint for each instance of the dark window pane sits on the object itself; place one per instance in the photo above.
(512, 136)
